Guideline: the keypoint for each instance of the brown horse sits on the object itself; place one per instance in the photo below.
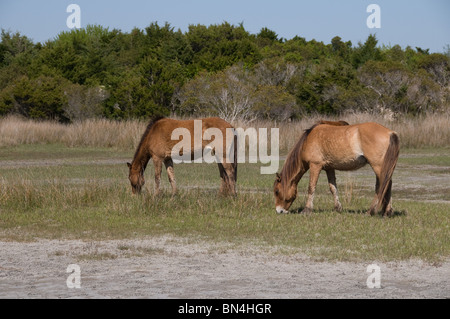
(331, 146)
(157, 144)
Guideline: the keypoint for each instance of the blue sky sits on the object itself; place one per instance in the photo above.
(421, 23)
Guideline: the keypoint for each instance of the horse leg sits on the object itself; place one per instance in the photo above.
(314, 171)
(158, 168)
(373, 206)
(230, 178)
(168, 163)
(223, 178)
(331, 175)
(387, 202)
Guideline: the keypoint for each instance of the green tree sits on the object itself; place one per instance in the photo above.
(274, 103)
(366, 52)
(438, 66)
(267, 37)
(219, 46)
(144, 91)
(319, 89)
(131, 99)
(218, 69)
(84, 56)
(341, 49)
(13, 45)
(40, 98)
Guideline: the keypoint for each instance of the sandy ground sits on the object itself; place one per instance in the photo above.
(168, 267)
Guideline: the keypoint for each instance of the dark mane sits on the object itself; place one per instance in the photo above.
(338, 123)
(144, 136)
(293, 160)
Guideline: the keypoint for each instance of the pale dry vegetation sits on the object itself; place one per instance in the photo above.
(432, 130)
(93, 132)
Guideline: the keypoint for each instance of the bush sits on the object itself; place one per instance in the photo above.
(40, 98)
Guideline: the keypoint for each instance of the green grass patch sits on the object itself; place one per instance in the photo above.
(87, 199)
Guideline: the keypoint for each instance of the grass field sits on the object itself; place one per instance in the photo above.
(59, 192)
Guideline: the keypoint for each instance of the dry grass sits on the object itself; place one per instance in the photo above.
(90, 133)
(432, 130)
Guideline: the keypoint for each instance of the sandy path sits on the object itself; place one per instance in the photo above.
(167, 267)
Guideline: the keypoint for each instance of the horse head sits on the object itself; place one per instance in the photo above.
(136, 177)
(285, 194)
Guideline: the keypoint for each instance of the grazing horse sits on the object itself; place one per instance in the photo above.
(157, 144)
(331, 146)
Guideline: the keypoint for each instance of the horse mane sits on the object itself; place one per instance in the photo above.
(147, 131)
(293, 160)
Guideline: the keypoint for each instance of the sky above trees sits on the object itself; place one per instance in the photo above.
(417, 23)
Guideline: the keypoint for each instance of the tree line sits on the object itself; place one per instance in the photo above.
(220, 70)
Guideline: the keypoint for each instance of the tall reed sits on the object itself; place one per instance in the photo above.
(432, 130)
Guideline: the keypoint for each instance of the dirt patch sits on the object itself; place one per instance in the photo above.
(168, 267)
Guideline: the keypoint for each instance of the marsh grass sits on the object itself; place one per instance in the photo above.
(82, 198)
(431, 130)
(89, 133)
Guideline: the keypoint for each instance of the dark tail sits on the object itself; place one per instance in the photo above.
(387, 170)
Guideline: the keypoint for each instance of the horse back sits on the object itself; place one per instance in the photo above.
(346, 147)
(160, 141)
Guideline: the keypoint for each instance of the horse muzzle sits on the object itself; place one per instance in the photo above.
(281, 210)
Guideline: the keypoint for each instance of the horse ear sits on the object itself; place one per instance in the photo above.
(129, 165)
(278, 177)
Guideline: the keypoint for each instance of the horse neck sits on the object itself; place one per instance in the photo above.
(293, 169)
(141, 159)
(296, 175)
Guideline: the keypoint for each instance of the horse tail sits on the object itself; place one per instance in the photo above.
(387, 170)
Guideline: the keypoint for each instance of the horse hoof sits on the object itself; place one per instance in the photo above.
(370, 213)
(307, 211)
(388, 214)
